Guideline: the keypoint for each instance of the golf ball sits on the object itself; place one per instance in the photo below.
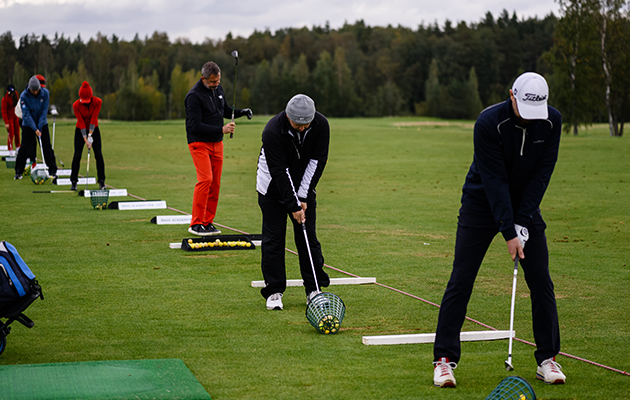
(329, 324)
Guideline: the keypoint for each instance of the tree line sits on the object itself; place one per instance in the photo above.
(453, 71)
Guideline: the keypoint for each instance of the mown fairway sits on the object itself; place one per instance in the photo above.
(387, 208)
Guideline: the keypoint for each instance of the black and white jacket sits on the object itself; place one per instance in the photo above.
(290, 163)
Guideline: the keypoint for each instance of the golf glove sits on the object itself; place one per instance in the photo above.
(248, 112)
(522, 233)
(90, 140)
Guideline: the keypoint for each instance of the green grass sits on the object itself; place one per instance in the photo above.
(387, 208)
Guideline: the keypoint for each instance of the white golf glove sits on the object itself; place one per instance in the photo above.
(90, 140)
(522, 233)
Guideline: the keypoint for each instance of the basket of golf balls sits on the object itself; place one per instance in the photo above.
(207, 244)
(325, 312)
(10, 162)
(513, 388)
(99, 199)
(39, 176)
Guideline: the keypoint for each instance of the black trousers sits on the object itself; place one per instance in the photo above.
(274, 232)
(97, 149)
(28, 149)
(475, 232)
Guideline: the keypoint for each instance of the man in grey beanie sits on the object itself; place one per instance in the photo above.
(34, 102)
(292, 159)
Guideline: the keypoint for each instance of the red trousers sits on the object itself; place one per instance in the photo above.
(14, 133)
(208, 160)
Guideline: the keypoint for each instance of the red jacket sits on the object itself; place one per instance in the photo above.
(87, 113)
(8, 108)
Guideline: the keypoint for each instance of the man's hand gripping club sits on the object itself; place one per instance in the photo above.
(517, 244)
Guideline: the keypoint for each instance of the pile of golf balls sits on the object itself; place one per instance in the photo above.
(328, 324)
(217, 243)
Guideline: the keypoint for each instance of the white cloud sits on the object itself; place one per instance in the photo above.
(198, 20)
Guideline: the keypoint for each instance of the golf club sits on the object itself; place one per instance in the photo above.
(88, 169)
(235, 55)
(508, 362)
(325, 310)
(53, 111)
(43, 159)
(310, 257)
(53, 191)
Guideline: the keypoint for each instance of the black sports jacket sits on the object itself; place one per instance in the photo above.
(512, 165)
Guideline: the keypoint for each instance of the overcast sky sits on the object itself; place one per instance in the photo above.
(197, 20)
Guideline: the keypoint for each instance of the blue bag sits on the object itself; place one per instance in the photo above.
(17, 281)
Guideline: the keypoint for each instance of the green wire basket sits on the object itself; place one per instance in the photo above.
(39, 176)
(325, 312)
(513, 388)
(99, 199)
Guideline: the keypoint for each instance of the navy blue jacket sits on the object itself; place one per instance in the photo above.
(205, 110)
(34, 108)
(290, 164)
(512, 165)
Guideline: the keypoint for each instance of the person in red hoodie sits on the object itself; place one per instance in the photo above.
(87, 133)
(11, 121)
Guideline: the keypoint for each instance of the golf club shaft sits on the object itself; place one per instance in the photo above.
(234, 102)
(53, 141)
(310, 256)
(512, 311)
(88, 169)
(42, 149)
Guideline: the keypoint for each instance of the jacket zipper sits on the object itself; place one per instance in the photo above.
(523, 142)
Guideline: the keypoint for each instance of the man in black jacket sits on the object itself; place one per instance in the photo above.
(292, 159)
(205, 109)
(515, 151)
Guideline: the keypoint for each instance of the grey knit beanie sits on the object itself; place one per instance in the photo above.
(33, 84)
(301, 109)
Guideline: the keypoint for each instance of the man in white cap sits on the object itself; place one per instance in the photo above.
(515, 151)
(292, 159)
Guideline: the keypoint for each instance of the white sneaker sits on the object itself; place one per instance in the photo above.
(551, 372)
(274, 302)
(443, 373)
(310, 296)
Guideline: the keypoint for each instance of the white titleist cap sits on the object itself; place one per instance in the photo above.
(531, 93)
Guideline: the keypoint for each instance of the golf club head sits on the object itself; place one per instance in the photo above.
(235, 55)
(508, 366)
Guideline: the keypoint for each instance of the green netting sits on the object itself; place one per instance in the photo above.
(513, 388)
(99, 198)
(325, 312)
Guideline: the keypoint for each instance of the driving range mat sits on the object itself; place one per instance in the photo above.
(135, 379)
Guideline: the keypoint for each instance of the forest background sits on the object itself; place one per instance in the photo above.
(451, 72)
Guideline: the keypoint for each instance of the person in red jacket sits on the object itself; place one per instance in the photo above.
(11, 121)
(86, 110)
